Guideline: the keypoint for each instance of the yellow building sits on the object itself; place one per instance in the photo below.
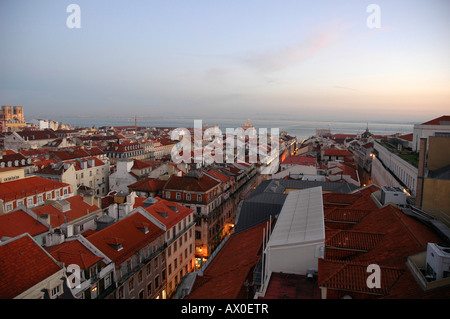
(8, 174)
(436, 184)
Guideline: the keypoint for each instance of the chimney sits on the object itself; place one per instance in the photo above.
(421, 171)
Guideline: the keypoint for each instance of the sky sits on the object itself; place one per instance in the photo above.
(317, 60)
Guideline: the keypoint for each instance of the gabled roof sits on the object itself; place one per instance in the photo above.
(125, 233)
(138, 164)
(32, 135)
(349, 276)
(74, 252)
(442, 120)
(167, 212)
(407, 137)
(23, 264)
(217, 174)
(201, 183)
(225, 276)
(27, 187)
(370, 235)
(148, 184)
(77, 208)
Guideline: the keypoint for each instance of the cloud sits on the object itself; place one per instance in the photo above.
(315, 43)
(344, 88)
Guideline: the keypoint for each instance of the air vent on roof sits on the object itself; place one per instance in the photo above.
(149, 201)
(174, 208)
(163, 214)
(143, 227)
(115, 243)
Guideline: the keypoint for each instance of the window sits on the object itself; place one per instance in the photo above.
(199, 197)
(156, 282)
(168, 195)
(9, 207)
(121, 292)
(188, 196)
(55, 291)
(139, 276)
(30, 201)
(149, 289)
(94, 292)
(107, 280)
(131, 285)
(178, 196)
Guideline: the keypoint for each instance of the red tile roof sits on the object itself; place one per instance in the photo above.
(370, 235)
(189, 183)
(352, 277)
(438, 120)
(301, 160)
(37, 134)
(171, 217)
(27, 187)
(126, 233)
(78, 209)
(407, 137)
(224, 278)
(353, 240)
(23, 264)
(19, 222)
(290, 286)
(145, 164)
(217, 174)
(148, 184)
(336, 152)
(74, 252)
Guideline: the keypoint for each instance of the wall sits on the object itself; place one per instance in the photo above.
(425, 131)
(11, 174)
(293, 259)
(435, 198)
(404, 171)
(438, 152)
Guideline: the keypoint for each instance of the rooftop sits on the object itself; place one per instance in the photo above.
(442, 120)
(19, 222)
(301, 218)
(225, 276)
(23, 264)
(125, 232)
(28, 186)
